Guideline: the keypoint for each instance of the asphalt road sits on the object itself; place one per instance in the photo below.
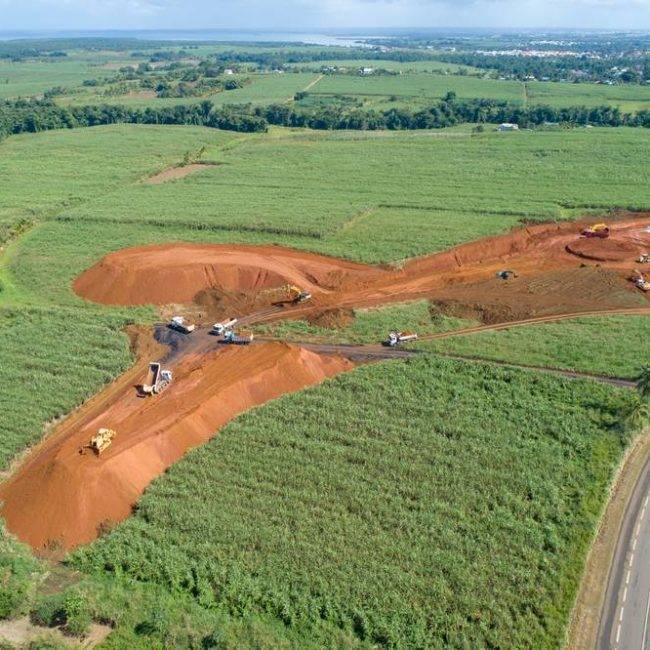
(625, 623)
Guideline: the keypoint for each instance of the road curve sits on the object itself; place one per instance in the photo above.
(625, 620)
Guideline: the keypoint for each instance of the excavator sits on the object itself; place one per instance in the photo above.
(597, 230)
(292, 294)
(100, 441)
(157, 379)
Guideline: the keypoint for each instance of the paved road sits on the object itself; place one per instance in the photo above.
(625, 624)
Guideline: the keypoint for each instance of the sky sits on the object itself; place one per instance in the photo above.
(300, 15)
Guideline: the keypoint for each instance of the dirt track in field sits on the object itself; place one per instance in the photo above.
(58, 498)
(174, 173)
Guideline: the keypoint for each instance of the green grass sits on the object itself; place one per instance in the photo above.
(50, 364)
(419, 504)
(421, 89)
(263, 89)
(406, 446)
(357, 194)
(27, 79)
(605, 345)
(45, 172)
(370, 325)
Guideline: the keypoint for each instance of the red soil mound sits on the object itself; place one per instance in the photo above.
(606, 250)
(59, 499)
(176, 273)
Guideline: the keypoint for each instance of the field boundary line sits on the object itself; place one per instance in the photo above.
(588, 608)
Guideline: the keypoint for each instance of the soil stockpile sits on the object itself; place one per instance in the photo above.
(60, 498)
(613, 249)
(176, 273)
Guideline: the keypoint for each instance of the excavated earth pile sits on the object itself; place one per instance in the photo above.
(60, 498)
(177, 273)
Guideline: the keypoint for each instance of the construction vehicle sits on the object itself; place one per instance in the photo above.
(644, 258)
(244, 337)
(220, 328)
(100, 441)
(157, 379)
(292, 294)
(395, 338)
(179, 324)
(597, 230)
(506, 274)
(639, 281)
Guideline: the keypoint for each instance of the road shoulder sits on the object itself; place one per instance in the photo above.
(582, 633)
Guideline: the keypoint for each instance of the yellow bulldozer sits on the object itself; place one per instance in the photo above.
(100, 442)
(289, 293)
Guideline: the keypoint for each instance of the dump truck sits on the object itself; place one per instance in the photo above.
(179, 324)
(220, 328)
(506, 274)
(101, 441)
(644, 258)
(395, 338)
(639, 281)
(597, 230)
(244, 337)
(157, 379)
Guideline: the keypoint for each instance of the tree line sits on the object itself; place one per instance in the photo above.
(30, 116)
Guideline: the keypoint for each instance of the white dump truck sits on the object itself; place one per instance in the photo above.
(395, 338)
(179, 324)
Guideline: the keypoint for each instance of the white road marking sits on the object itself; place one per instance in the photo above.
(645, 503)
(618, 633)
(620, 617)
(627, 578)
(625, 595)
(634, 543)
(645, 625)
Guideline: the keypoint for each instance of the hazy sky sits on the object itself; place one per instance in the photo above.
(302, 14)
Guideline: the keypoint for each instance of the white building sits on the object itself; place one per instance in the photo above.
(228, 71)
(366, 71)
(508, 127)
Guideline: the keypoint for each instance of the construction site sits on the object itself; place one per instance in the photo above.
(202, 364)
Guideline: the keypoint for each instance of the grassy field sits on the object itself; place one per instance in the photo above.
(450, 186)
(420, 89)
(42, 174)
(400, 486)
(595, 345)
(25, 79)
(405, 479)
(263, 89)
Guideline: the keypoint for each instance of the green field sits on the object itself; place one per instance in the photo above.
(26, 79)
(387, 502)
(406, 506)
(450, 187)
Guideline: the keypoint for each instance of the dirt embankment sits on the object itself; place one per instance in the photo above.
(221, 278)
(60, 498)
